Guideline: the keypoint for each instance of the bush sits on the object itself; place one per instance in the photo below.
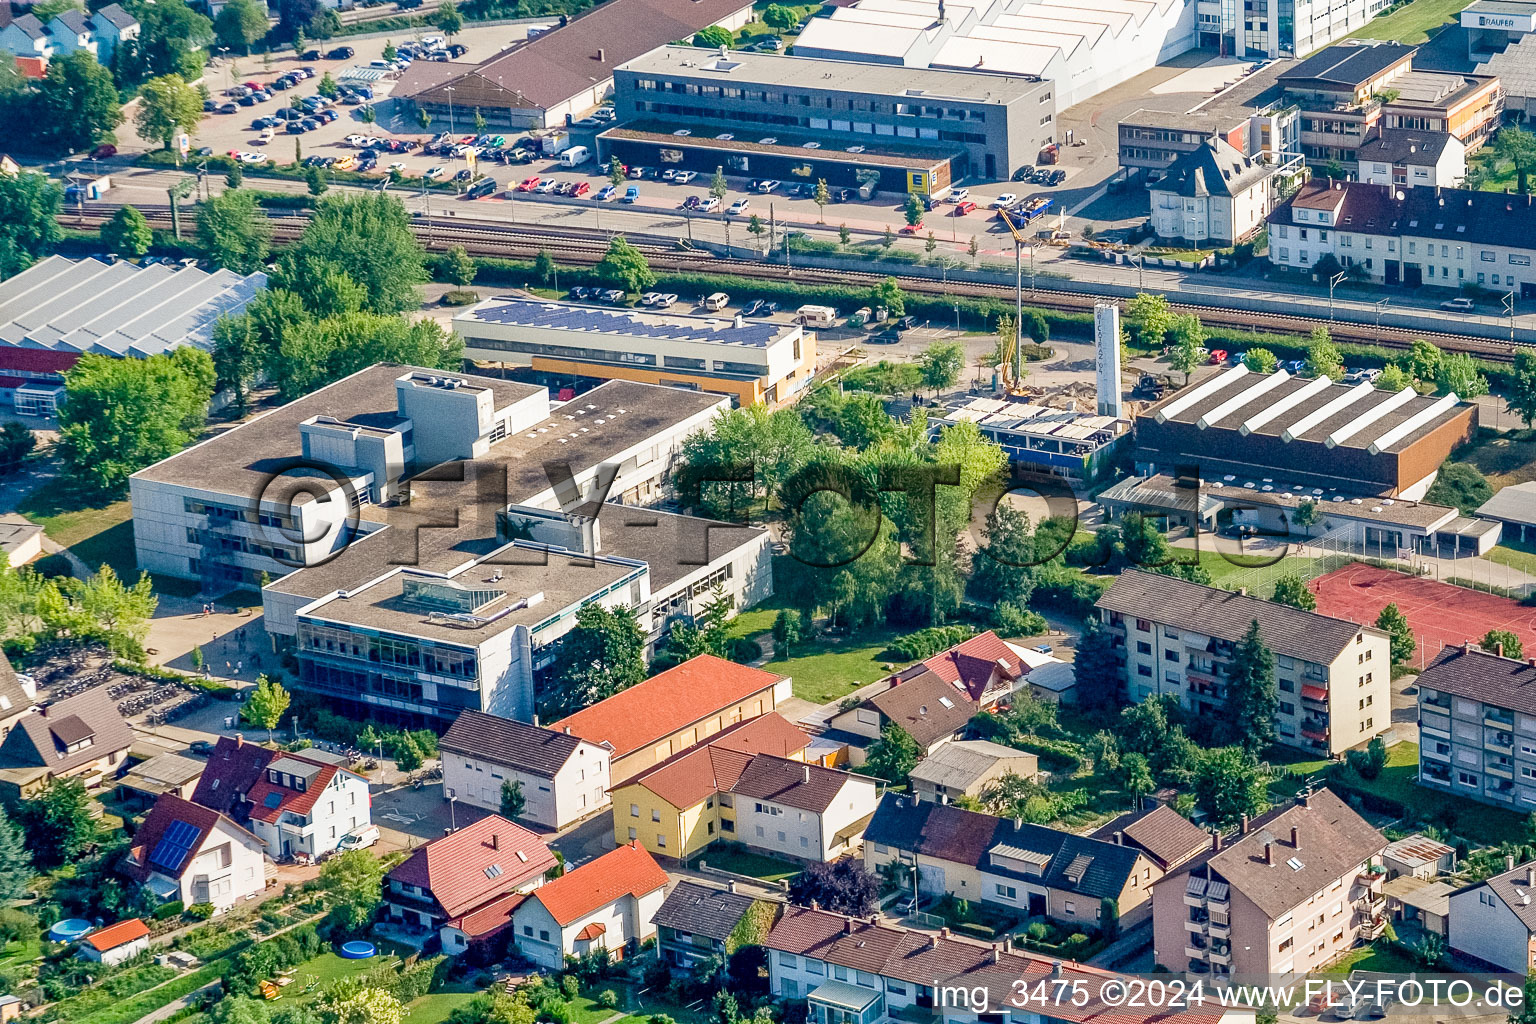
(170, 909)
(461, 297)
(925, 643)
(608, 998)
(201, 911)
(1037, 931)
(743, 650)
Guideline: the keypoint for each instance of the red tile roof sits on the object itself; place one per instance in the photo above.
(628, 871)
(689, 777)
(592, 931)
(487, 920)
(668, 702)
(972, 664)
(454, 867)
(233, 768)
(294, 800)
(120, 934)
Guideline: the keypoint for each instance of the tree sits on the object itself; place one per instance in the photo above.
(1392, 378)
(941, 364)
(1395, 623)
(844, 886)
(172, 41)
(973, 248)
(1494, 639)
(717, 186)
(544, 266)
(893, 756)
(1228, 784)
(390, 53)
(235, 176)
(1253, 699)
(125, 414)
(168, 106)
(1135, 777)
(930, 244)
(1522, 386)
(913, 210)
(616, 176)
(369, 116)
(449, 20)
(888, 293)
(240, 23)
(755, 226)
(15, 865)
(318, 352)
(368, 237)
(460, 268)
(16, 443)
(480, 122)
(350, 1004)
(266, 705)
(354, 881)
(29, 220)
(316, 179)
(1323, 358)
(1369, 762)
(786, 631)
(1458, 375)
(821, 198)
(1260, 360)
(1003, 569)
(1290, 589)
(1518, 146)
(324, 24)
(1423, 360)
(58, 823)
(1307, 515)
(512, 799)
(714, 37)
(844, 236)
(328, 87)
(77, 104)
(601, 655)
(1188, 343)
(127, 233)
(235, 232)
(1100, 676)
(1526, 1014)
(1152, 318)
(625, 267)
(780, 18)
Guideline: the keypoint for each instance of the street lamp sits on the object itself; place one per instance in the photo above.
(449, 90)
(452, 820)
(1334, 282)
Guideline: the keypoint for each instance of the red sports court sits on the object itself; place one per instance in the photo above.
(1441, 614)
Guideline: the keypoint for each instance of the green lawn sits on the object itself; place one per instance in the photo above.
(1514, 555)
(1399, 782)
(436, 1006)
(1379, 957)
(98, 533)
(744, 862)
(1413, 23)
(824, 670)
(17, 953)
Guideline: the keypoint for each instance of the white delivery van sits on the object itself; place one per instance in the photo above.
(817, 316)
(575, 156)
(716, 302)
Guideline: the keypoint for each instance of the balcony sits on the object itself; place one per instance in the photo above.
(1439, 700)
(1430, 778)
(1196, 954)
(1315, 731)
(1314, 697)
(1499, 743)
(1436, 755)
(1373, 928)
(1221, 954)
(1218, 929)
(1502, 720)
(1502, 771)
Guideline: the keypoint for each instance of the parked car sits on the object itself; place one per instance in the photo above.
(579, 189)
(1005, 200)
(546, 186)
(529, 183)
(709, 204)
(605, 193)
(767, 185)
(341, 53)
(740, 206)
(684, 177)
(631, 194)
(104, 151)
(579, 293)
(1457, 305)
(613, 295)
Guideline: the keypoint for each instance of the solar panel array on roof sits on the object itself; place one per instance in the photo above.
(584, 319)
(172, 849)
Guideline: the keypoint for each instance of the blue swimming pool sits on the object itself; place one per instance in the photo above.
(358, 950)
(70, 929)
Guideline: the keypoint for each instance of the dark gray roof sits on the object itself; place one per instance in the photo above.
(39, 740)
(1445, 214)
(1347, 65)
(13, 699)
(1401, 146)
(1226, 615)
(946, 832)
(1514, 504)
(29, 24)
(74, 20)
(1213, 169)
(703, 910)
(115, 14)
(1471, 672)
(1514, 888)
(534, 749)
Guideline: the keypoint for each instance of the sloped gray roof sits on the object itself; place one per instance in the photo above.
(40, 740)
(534, 749)
(1214, 169)
(1469, 671)
(117, 15)
(703, 910)
(1401, 146)
(1226, 615)
(1514, 504)
(958, 764)
(74, 20)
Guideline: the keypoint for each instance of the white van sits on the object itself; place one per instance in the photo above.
(433, 42)
(716, 302)
(574, 156)
(359, 838)
(817, 316)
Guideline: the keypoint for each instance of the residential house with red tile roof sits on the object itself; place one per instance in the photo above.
(859, 972)
(187, 852)
(466, 884)
(298, 806)
(750, 785)
(674, 710)
(608, 903)
(116, 942)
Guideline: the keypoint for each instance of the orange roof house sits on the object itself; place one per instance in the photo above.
(608, 903)
(116, 942)
(675, 710)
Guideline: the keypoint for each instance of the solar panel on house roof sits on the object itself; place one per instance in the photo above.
(172, 849)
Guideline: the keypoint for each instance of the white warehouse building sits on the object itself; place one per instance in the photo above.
(1083, 50)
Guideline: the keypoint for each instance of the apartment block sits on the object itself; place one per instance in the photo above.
(1477, 727)
(1334, 677)
(1298, 887)
(1257, 29)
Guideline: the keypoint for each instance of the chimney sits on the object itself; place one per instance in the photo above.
(1055, 968)
(1242, 828)
(1242, 591)
(1215, 841)
(239, 740)
(1119, 838)
(815, 905)
(1304, 798)
(730, 886)
(1530, 875)
(495, 841)
(807, 773)
(1295, 837)
(602, 55)
(1018, 823)
(535, 720)
(933, 941)
(567, 730)
(1498, 648)
(944, 932)
(1269, 853)
(847, 926)
(997, 952)
(1509, 862)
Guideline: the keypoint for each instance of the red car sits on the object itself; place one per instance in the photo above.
(1218, 356)
(911, 229)
(103, 151)
(581, 189)
(253, 86)
(529, 184)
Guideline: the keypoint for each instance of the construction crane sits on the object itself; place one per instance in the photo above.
(1013, 354)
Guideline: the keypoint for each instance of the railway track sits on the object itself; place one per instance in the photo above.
(585, 246)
